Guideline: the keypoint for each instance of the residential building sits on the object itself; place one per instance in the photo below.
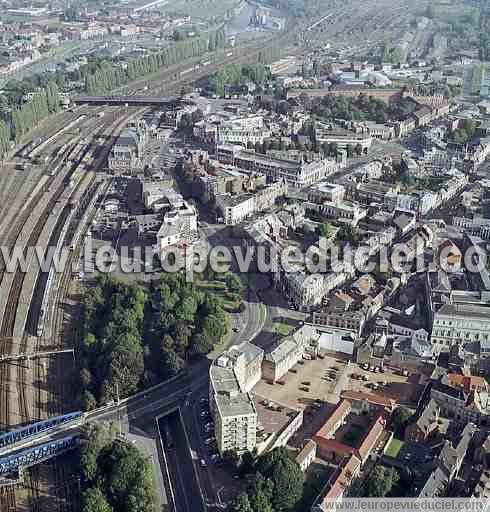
(424, 424)
(461, 406)
(235, 209)
(477, 226)
(236, 130)
(324, 191)
(460, 324)
(179, 228)
(160, 194)
(343, 211)
(338, 484)
(448, 466)
(372, 351)
(334, 442)
(298, 175)
(287, 353)
(306, 455)
(340, 316)
(231, 378)
(343, 138)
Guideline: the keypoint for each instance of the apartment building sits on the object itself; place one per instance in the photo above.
(179, 228)
(287, 353)
(478, 226)
(227, 179)
(342, 211)
(298, 175)
(309, 290)
(158, 194)
(460, 324)
(344, 138)
(235, 209)
(339, 314)
(326, 192)
(463, 406)
(232, 377)
(243, 130)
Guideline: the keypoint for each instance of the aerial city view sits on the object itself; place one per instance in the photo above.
(244, 255)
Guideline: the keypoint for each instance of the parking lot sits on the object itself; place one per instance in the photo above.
(403, 389)
(326, 378)
(306, 382)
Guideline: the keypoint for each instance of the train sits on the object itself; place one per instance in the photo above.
(25, 151)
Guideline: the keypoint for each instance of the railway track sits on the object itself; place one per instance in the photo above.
(26, 233)
(7, 499)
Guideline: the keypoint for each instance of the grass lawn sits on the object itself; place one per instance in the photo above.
(229, 300)
(282, 328)
(212, 285)
(394, 448)
(230, 304)
(203, 9)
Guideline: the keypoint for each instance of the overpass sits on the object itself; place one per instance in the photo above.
(32, 456)
(47, 439)
(164, 102)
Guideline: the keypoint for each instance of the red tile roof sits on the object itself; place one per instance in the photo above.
(372, 398)
(467, 382)
(341, 411)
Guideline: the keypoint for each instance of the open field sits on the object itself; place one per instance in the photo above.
(204, 9)
(394, 448)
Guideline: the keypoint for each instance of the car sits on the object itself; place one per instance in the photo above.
(204, 414)
(204, 400)
(235, 329)
(203, 463)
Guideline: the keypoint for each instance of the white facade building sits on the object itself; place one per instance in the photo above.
(232, 377)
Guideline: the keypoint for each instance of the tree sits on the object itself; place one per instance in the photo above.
(233, 283)
(242, 504)
(231, 457)
(380, 481)
(89, 403)
(260, 500)
(129, 479)
(288, 484)
(347, 233)
(285, 477)
(399, 419)
(95, 501)
(247, 463)
(324, 231)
